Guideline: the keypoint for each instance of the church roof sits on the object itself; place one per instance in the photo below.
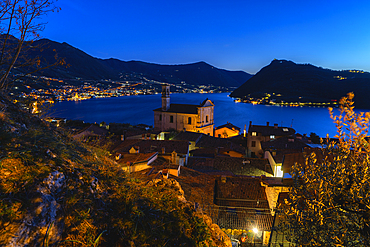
(186, 108)
(181, 108)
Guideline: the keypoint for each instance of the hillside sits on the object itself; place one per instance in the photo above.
(82, 65)
(55, 191)
(305, 82)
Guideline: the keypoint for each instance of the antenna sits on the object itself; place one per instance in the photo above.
(292, 123)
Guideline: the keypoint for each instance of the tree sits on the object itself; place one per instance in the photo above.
(329, 202)
(19, 24)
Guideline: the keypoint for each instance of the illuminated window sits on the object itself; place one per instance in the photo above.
(254, 133)
(272, 137)
(285, 129)
(171, 119)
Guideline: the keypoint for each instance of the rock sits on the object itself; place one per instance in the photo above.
(44, 218)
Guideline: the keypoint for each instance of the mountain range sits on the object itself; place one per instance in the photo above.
(81, 65)
(306, 83)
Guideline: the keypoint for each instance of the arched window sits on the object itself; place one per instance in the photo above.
(206, 118)
(189, 120)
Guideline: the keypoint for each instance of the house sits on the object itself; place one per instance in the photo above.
(243, 205)
(91, 131)
(260, 133)
(227, 130)
(134, 162)
(275, 149)
(277, 238)
(291, 159)
(184, 117)
(192, 137)
(231, 165)
(165, 149)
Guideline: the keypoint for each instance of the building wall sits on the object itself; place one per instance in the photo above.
(226, 132)
(202, 122)
(272, 194)
(205, 123)
(257, 148)
(162, 121)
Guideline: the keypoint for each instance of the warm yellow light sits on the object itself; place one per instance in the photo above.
(255, 230)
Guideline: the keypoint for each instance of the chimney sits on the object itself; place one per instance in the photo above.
(276, 126)
(143, 136)
(173, 157)
(268, 124)
(250, 123)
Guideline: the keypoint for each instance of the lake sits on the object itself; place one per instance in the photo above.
(139, 109)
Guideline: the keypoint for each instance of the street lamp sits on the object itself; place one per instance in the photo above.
(255, 230)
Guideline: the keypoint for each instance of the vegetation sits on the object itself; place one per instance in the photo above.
(329, 202)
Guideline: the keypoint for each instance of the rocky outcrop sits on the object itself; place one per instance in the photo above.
(43, 223)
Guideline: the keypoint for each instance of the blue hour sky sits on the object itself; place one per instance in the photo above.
(234, 35)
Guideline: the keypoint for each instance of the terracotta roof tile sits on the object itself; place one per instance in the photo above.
(285, 142)
(238, 166)
(210, 141)
(244, 203)
(188, 136)
(229, 126)
(271, 130)
(147, 146)
(135, 158)
(92, 130)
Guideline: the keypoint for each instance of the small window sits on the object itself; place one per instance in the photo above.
(160, 117)
(189, 120)
(285, 129)
(206, 118)
(254, 133)
(253, 144)
(171, 119)
(272, 137)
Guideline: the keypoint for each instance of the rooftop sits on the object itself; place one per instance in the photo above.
(267, 130)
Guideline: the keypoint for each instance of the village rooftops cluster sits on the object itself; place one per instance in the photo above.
(235, 179)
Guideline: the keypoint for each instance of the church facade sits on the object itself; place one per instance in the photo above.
(184, 117)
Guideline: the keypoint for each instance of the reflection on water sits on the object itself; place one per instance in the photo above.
(139, 109)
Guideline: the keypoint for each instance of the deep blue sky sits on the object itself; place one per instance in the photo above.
(231, 34)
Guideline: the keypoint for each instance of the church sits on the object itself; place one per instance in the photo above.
(184, 117)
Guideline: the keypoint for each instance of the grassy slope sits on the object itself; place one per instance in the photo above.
(94, 203)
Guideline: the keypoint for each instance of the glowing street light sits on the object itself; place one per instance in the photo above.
(255, 230)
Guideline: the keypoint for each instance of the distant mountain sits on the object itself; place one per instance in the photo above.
(82, 65)
(305, 82)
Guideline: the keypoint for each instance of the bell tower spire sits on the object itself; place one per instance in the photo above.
(165, 97)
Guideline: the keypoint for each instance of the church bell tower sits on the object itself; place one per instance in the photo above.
(165, 97)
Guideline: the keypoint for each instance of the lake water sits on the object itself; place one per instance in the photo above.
(139, 109)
